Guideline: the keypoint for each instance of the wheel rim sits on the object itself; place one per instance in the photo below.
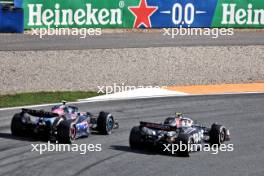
(222, 136)
(110, 124)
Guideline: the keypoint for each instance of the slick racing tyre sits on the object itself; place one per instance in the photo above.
(66, 132)
(135, 138)
(184, 143)
(217, 134)
(105, 123)
(18, 124)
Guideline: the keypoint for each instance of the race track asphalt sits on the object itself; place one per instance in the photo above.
(242, 114)
(20, 42)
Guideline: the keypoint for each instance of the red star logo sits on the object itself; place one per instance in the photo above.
(142, 14)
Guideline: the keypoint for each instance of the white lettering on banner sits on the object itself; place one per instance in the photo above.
(89, 16)
(232, 15)
(183, 14)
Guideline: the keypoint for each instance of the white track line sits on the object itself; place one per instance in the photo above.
(99, 99)
(138, 93)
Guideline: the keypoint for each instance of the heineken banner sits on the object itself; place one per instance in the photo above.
(143, 13)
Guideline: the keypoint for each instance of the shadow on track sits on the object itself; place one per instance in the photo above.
(147, 151)
(18, 138)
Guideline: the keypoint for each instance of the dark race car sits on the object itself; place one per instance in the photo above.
(176, 130)
(63, 124)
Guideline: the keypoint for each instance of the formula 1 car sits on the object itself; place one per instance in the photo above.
(176, 130)
(63, 124)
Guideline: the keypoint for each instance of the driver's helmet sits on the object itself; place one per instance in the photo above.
(178, 115)
(174, 121)
(178, 121)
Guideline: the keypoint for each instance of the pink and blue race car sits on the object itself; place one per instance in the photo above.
(63, 123)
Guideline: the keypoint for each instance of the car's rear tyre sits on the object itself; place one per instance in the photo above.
(18, 124)
(217, 134)
(135, 138)
(105, 123)
(184, 142)
(66, 132)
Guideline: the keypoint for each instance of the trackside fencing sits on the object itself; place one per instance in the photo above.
(144, 13)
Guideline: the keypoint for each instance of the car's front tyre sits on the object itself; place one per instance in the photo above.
(217, 134)
(105, 123)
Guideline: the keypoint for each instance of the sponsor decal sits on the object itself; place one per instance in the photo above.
(234, 15)
(243, 13)
(39, 16)
(143, 14)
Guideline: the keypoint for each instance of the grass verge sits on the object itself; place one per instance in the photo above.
(23, 99)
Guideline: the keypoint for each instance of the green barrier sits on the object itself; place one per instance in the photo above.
(143, 13)
(239, 14)
(76, 13)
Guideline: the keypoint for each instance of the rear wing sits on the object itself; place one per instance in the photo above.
(157, 126)
(40, 113)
